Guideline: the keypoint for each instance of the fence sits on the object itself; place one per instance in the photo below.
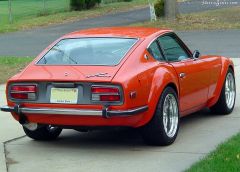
(14, 10)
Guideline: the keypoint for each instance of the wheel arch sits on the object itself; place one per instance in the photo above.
(226, 65)
(231, 67)
(161, 80)
(173, 86)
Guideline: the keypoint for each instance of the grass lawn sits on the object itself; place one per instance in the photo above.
(28, 14)
(226, 158)
(227, 18)
(9, 66)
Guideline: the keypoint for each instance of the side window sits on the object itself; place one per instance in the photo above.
(172, 49)
(155, 51)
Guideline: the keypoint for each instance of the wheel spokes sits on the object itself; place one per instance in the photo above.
(230, 90)
(170, 115)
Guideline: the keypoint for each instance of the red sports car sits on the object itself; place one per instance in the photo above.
(124, 76)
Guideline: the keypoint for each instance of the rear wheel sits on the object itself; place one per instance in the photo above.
(226, 101)
(163, 128)
(44, 132)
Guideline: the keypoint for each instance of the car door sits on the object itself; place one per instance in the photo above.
(193, 73)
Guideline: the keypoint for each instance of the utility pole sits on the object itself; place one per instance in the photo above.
(170, 9)
(44, 6)
(10, 18)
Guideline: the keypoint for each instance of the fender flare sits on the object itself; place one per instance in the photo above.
(226, 64)
(162, 78)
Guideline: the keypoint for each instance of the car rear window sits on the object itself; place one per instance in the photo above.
(88, 51)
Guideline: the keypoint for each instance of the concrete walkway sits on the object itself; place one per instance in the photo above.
(115, 151)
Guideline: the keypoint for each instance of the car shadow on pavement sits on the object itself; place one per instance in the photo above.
(120, 137)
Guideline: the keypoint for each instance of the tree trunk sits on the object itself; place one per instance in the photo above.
(170, 9)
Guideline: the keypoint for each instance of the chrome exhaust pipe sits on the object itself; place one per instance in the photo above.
(31, 126)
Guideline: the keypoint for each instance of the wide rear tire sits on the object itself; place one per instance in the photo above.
(226, 101)
(163, 127)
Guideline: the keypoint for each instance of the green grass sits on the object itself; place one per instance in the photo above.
(227, 18)
(9, 66)
(28, 14)
(25, 9)
(226, 158)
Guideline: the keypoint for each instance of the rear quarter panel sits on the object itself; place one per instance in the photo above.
(146, 77)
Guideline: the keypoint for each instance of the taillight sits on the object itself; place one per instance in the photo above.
(105, 93)
(23, 92)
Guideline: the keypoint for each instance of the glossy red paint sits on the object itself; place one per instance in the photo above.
(138, 72)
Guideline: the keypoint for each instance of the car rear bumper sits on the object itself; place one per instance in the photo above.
(74, 112)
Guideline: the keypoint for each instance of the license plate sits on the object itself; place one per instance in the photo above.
(64, 95)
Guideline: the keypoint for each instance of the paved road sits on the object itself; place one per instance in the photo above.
(204, 5)
(222, 42)
(115, 151)
(32, 42)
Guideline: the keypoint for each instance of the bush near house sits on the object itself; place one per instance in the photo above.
(159, 8)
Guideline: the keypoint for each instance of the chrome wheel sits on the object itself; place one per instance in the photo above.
(230, 90)
(170, 115)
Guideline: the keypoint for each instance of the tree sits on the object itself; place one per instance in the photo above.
(170, 9)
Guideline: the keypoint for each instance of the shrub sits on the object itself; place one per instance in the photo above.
(90, 3)
(113, 1)
(159, 8)
(78, 5)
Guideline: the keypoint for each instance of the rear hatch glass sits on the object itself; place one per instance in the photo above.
(88, 51)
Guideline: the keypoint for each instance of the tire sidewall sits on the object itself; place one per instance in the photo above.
(43, 133)
(229, 110)
(154, 133)
(159, 114)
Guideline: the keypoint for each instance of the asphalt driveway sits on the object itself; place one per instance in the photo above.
(115, 151)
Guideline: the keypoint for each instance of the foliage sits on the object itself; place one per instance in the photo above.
(78, 5)
(113, 1)
(159, 8)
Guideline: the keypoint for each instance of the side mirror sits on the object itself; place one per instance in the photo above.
(196, 54)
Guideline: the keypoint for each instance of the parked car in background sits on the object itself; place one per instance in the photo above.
(124, 76)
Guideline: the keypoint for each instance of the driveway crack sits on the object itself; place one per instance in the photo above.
(9, 161)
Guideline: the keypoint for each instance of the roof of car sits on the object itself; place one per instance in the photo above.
(132, 32)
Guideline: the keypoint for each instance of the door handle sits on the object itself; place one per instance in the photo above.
(182, 75)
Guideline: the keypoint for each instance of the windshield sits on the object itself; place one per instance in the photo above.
(88, 51)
